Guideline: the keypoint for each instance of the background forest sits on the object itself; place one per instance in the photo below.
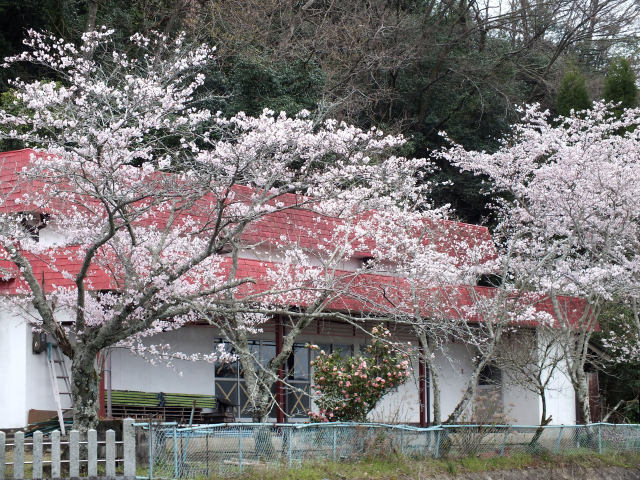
(417, 67)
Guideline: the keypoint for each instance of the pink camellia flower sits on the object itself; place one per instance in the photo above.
(348, 384)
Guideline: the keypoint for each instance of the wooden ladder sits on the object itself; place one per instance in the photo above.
(58, 372)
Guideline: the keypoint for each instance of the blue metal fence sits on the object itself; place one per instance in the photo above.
(174, 451)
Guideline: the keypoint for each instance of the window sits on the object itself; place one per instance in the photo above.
(229, 377)
(490, 375)
(231, 386)
(342, 349)
(32, 223)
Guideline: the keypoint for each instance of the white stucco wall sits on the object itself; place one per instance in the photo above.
(560, 396)
(130, 372)
(401, 405)
(521, 405)
(454, 368)
(38, 381)
(25, 383)
(14, 337)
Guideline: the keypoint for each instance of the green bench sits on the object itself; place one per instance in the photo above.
(163, 406)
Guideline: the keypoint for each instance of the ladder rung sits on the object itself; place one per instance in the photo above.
(58, 361)
(62, 376)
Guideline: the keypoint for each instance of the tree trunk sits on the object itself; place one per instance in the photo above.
(84, 391)
(582, 394)
(435, 384)
(544, 421)
(260, 400)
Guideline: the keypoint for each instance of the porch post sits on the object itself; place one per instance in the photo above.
(279, 387)
(421, 387)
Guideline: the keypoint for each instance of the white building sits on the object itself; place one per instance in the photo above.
(26, 387)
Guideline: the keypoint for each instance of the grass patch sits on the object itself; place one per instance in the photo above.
(396, 467)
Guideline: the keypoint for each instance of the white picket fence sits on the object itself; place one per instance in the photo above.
(48, 451)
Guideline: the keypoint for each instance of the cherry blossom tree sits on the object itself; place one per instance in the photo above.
(154, 210)
(439, 265)
(570, 217)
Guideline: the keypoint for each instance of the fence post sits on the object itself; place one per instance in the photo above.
(18, 456)
(335, 443)
(175, 451)
(150, 444)
(240, 449)
(37, 455)
(2, 444)
(291, 432)
(436, 450)
(74, 454)
(129, 440)
(558, 441)
(110, 457)
(504, 442)
(55, 455)
(401, 441)
(427, 443)
(92, 453)
(599, 439)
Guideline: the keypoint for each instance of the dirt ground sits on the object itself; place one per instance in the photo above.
(569, 472)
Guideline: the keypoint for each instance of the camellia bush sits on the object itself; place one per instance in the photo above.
(348, 388)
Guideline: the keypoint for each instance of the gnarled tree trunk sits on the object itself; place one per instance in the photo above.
(84, 390)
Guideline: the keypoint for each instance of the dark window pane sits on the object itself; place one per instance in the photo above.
(325, 347)
(227, 390)
(299, 363)
(243, 399)
(490, 375)
(297, 400)
(343, 350)
(267, 352)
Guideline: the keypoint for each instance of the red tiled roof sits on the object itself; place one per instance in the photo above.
(308, 228)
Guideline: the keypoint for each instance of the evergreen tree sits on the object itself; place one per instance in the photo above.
(572, 94)
(620, 84)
